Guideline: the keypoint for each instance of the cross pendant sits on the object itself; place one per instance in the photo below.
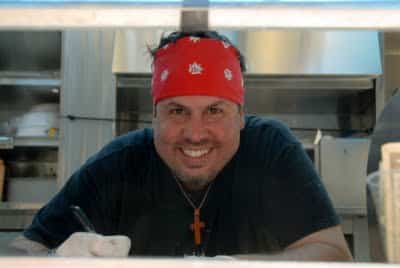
(196, 227)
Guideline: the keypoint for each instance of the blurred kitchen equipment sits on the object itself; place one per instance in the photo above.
(386, 130)
(31, 174)
(376, 230)
(6, 142)
(3, 128)
(390, 198)
(41, 189)
(41, 121)
(2, 175)
(374, 189)
(343, 163)
(35, 168)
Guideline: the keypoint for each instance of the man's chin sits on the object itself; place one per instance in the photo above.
(195, 185)
(195, 181)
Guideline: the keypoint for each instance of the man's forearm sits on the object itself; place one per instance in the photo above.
(28, 246)
(308, 252)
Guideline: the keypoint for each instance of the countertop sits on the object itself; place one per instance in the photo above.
(50, 262)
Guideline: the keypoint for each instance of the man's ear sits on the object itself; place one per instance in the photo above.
(242, 118)
(154, 111)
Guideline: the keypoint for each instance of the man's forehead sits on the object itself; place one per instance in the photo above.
(195, 101)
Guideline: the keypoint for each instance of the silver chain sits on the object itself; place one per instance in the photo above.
(188, 198)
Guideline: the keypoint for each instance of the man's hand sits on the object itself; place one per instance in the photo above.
(89, 244)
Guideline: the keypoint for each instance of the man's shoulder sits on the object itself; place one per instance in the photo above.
(134, 141)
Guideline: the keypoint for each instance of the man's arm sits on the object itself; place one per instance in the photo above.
(79, 244)
(325, 245)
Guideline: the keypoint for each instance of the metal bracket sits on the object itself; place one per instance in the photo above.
(194, 15)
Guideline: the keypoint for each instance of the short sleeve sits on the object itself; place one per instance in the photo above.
(98, 187)
(297, 198)
(55, 222)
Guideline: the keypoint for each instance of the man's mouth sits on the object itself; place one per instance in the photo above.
(196, 153)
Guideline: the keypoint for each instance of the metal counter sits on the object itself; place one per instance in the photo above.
(19, 262)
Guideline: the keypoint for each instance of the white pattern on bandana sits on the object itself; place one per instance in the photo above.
(228, 74)
(194, 39)
(164, 75)
(225, 44)
(166, 46)
(195, 68)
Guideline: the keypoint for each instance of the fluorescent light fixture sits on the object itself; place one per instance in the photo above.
(89, 16)
(305, 15)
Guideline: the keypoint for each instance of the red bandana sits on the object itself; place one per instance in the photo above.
(197, 66)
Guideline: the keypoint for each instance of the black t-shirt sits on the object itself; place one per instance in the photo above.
(267, 197)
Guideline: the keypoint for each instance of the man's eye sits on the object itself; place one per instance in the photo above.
(177, 111)
(214, 110)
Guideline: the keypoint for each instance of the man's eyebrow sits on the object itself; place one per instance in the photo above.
(175, 104)
(220, 102)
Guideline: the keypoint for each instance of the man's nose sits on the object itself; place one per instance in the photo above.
(195, 130)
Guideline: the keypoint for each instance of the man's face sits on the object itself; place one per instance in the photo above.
(196, 136)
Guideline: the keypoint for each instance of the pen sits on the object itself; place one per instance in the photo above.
(83, 219)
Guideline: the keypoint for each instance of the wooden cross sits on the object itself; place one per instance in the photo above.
(196, 226)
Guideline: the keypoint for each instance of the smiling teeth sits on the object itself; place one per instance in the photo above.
(195, 153)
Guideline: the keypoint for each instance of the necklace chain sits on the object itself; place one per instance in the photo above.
(199, 251)
(188, 198)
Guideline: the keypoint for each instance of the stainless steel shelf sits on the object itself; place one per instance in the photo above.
(291, 82)
(40, 189)
(11, 142)
(6, 142)
(304, 82)
(19, 206)
(35, 142)
(309, 146)
(33, 178)
(45, 78)
(16, 215)
(359, 211)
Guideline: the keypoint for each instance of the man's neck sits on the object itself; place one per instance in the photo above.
(195, 191)
(197, 195)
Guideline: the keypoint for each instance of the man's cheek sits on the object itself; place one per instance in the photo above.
(168, 135)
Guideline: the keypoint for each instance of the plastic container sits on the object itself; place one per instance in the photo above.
(41, 121)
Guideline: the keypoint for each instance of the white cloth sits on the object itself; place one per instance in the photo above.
(218, 257)
(82, 244)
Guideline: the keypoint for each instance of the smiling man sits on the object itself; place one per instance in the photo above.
(190, 135)
(206, 180)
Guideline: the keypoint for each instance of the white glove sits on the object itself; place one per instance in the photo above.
(82, 244)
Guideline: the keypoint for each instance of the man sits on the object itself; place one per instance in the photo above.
(206, 180)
